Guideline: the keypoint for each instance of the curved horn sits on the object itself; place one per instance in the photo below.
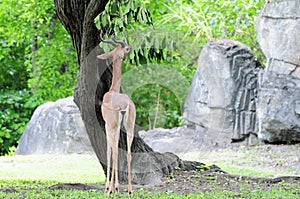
(106, 41)
(110, 42)
(119, 42)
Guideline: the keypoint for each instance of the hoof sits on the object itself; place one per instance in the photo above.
(109, 191)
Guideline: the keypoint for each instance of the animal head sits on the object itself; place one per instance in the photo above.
(119, 52)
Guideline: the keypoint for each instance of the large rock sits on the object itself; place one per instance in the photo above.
(180, 140)
(57, 128)
(278, 108)
(223, 94)
(278, 33)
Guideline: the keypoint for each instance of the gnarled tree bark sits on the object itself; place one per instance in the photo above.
(94, 81)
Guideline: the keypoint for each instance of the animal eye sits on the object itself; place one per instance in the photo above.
(127, 49)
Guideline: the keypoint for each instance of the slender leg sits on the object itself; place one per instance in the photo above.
(108, 154)
(129, 142)
(112, 175)
(113, 143)
(130, 120)
(116, 154)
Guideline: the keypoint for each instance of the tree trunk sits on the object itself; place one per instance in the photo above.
(93, 82)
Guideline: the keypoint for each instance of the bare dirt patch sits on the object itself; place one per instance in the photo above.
(185, 182)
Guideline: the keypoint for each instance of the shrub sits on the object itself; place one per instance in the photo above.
(14, 116)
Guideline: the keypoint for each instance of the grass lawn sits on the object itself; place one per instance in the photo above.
(31, 177)
(59, 168)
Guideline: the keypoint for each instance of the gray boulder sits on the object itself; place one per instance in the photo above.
(278, 33)
(223, 93)
(183, 139)
(278, 108)
(56, 128)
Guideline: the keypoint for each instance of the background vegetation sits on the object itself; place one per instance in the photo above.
(39, 64)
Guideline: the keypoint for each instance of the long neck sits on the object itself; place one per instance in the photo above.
(116, 79)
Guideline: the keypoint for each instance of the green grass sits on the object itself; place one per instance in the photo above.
(36, 190)
(59, 168)
(30, 177)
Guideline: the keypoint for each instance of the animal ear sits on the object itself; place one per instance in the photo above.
(104, 56)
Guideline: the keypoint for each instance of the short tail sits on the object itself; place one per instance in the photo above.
(124, 115)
